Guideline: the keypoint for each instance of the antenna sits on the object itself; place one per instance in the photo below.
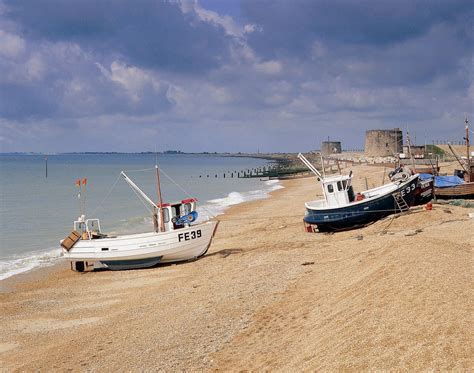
(409, 152)
(466, 121)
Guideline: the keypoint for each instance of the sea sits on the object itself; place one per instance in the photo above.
(39, 198)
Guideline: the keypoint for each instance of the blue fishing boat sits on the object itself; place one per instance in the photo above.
(342, 209)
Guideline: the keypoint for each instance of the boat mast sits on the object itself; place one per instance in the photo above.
(138, 190)
(160, 199)
(467, 141)
(458, 158)
(314, 171)
(309, 165)
(145, 197)
(409, 152)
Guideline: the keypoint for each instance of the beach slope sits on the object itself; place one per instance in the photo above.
(394, 295)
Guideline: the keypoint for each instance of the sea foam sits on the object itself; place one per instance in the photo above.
(19, 264)
(217, 206)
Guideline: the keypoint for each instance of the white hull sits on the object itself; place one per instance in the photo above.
(173, 246)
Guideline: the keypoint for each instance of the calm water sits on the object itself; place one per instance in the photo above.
(36, 212)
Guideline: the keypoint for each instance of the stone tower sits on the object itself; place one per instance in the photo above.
(331, 147)
(383, 143)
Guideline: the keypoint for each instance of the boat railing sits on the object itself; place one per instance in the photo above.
(88, 228)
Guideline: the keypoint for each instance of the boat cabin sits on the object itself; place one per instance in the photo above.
(88, 228)
(338, 190)
(174, 214)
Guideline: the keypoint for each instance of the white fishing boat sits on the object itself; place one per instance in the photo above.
(174, 238)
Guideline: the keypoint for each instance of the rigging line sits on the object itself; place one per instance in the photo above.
(186, 192)
(107, 196)
(142, 201)
(144, 169)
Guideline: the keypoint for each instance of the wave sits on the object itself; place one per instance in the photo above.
(19, 264)
(218, 206)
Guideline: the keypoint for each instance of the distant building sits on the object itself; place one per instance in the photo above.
(383, 143)
(331, 147)
(418, 151)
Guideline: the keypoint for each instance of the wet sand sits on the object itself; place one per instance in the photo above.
(394, 295)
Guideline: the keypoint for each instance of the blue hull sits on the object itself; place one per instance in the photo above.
(360, 214)
(118, 265)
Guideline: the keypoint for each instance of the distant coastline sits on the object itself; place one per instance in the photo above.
(269, 156)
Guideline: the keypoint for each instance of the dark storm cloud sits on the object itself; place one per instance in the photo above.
(268, 75)
(151, 34)
(367, 43)
(292, 26)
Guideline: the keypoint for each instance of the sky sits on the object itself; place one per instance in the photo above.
(231, 75)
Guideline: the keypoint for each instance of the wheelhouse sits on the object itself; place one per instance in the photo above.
(173, 213)
(338, 190)
(87, 228)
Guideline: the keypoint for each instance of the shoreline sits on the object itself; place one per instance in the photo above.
(220, 209)
(395, 294)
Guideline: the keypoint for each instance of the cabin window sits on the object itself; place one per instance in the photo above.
(93, 225)
(344, 184)
(80, 226)
(186, 208)
(330, 188)
(339, 186)
(166, 215)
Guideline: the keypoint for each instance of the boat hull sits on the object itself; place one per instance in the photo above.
(424, 191)
(461, 191)
(145, 250)
(117, 265)
(359, 214)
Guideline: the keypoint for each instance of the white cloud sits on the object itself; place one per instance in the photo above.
(11, 45)
(304, 105)
(242, 52)
(176, 95)
(269, 67)
(35, 68)
(131, 78)
(221, 95)
(249, 28)
(226, 22)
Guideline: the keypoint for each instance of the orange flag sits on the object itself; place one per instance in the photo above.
(84, 181)
(78, 182)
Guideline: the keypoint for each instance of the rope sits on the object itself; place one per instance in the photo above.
(186, 192)
(142, 201)
(179, 186)
(144, 169)
(111, 190)
(107, 196)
